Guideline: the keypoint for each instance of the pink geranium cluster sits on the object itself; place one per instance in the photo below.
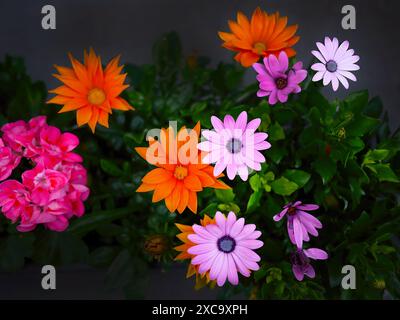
(54, 190)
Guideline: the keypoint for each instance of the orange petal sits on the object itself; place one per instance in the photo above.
(163, 190)
(103, 118)
(183, 202)
(158, 175)
(192, 204)
(192, 182)
(69, 107)
(144, 187)
(83, 115)
(184, 227)
(94, 118)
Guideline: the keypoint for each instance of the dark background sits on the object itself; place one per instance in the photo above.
(131, 27)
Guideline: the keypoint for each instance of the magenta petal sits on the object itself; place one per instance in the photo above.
(232, 271)
(280, 215)
(216, 266)
(316, 254)
(202, 231)
(223, 274)
(217, 123)
(241, 121)
(202, 249)
(240, 265)
(251, 244)
(237, 228)
(197, 239)
(230, 222)
(200, 258)
(253, 124)
(298, 273)
(298, 232)
(308, 207)
(247, 230)
(246, 254)
(221, 221)
(229, 122)
(206, 265)
(310, 218)
(309, 271)
(259, 68)
(215, 230)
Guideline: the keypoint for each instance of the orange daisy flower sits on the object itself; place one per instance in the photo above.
(201, 279)
(261, 36)
(176, 180)
(90, 90)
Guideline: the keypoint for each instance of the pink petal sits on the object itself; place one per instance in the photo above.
(240, 266)
(217, 123)
(316, 254)
(241, 121)
(232, 271)
(230, 221)
(237, 228)
(298, 232)
(246, 254)
(251, 244)
(298, 273)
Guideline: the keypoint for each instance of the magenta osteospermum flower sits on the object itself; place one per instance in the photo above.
(225, 248)
(234, 146)
(301, 262)
(300, 223)
(275, 79)
(336, 62)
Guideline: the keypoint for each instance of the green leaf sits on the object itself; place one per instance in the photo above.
(102, 256)
(276, 132)
(225, 196)
(374, 108)
(110, 168)
(357, 101)
(254, 201)
(326, 168)
(299, 177)
(376, 155)
(284, 187)
(255, 182)
(361, 125)
(383, 172)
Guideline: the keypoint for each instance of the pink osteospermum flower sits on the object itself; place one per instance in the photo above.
(8, 161)
(300, 223)
(276, 80)
(234, 146)
(225, 248)
(301, 262)
(335, 63)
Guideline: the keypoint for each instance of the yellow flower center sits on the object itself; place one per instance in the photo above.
(259, 47)
(180, 172)
(96, 96)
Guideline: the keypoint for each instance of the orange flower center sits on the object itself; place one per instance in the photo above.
(180, 172)
(259, 47)
(96, 96)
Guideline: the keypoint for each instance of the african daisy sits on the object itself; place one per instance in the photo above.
(178, 177)
(299, 222)
(301, 262)
(259, 37)
(225, 248)
(234, 146)
(90, 90)
(335, 63)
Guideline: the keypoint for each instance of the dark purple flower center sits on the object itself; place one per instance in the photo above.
(291, 211)
(331, 66)
(234, 145)
(299, 259)
(281, 83)
(226, 244)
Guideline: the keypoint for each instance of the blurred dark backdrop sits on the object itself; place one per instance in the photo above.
(131, 27)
